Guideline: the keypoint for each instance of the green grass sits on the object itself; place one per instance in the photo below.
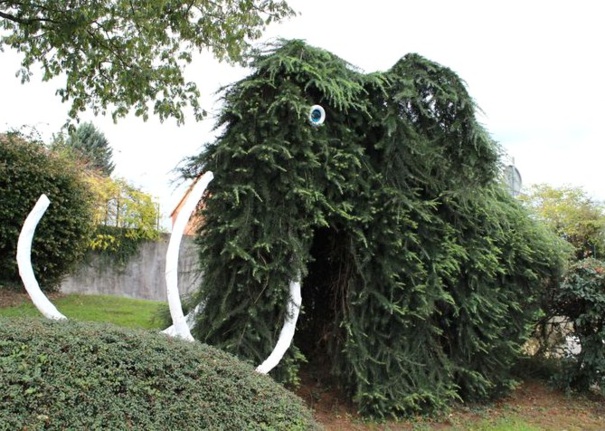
(502, 424)
(125, 312)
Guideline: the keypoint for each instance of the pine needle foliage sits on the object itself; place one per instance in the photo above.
(420, 274)
(90, 144)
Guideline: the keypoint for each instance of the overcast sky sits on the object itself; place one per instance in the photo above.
(535, 68)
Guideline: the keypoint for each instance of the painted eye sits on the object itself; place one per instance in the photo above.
(317, 115)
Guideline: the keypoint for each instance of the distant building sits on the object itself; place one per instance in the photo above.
(195, 220)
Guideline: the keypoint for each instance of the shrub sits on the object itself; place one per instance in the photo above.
(27, 170)
(70, 375)
(581, 300)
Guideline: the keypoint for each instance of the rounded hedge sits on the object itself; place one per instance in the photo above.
(71, 375)
(27, 170)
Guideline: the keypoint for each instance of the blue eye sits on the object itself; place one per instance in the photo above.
(317, 115)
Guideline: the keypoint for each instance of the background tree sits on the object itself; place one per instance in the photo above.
(91, 145)
(124, 217)
(572, 215)
(28, 169)
(122, 55)
(420, 274)
(575, 308)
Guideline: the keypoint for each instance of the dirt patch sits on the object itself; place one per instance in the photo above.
(9, 298)
(14, 298)
(329, 405)
(551, 409)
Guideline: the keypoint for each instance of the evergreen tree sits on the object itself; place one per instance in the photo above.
(92, 145)
(420, 274)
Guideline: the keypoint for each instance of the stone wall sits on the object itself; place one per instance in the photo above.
(143, 276)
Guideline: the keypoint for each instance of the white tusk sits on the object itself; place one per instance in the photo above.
(189, 318)
(287, 333)
(179, 326)
(24, 248)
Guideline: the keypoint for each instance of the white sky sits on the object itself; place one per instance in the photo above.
(536, 69)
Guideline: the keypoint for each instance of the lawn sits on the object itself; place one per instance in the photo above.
(533, 406)
(127, 312)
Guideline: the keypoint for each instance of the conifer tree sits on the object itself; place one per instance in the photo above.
(91, 144)
(419, 272)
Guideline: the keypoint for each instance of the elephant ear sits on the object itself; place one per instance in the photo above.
(430, 118)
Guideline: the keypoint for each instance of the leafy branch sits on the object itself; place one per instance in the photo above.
(119, 55)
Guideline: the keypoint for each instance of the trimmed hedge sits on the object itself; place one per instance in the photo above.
(71, 375)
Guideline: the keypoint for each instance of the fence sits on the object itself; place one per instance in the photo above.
(142, 277)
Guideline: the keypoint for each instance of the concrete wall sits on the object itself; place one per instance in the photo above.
(143, 277)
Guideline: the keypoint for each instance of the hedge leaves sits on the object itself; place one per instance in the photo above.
(28, 170)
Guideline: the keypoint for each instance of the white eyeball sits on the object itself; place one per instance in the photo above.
(317, 115)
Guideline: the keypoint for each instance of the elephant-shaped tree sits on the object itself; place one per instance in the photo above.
(420, 274)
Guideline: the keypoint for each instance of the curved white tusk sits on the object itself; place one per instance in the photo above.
(24, 248)
(189, 318)
(287, 333)
(179, 326)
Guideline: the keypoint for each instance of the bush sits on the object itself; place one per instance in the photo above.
(70, 375)
(581, 300)
(27, 170)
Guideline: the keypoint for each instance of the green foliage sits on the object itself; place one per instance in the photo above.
(90, 144)
(121, 55)
(581, 300)
(124, 218)
(28, 170)
(122, 205)
(571, 214)
(68, 375)
(420, 273)
(115, 246)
